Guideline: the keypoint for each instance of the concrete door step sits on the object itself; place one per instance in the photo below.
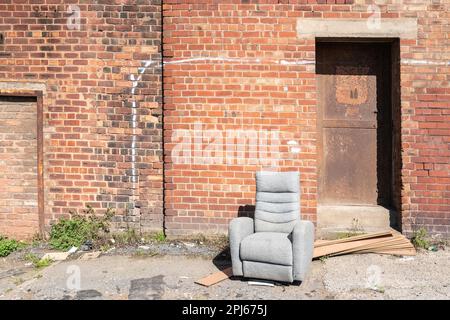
(334, 220)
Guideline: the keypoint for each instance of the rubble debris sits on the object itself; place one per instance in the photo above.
(215, 277)
(72, 250)
(261, 283)
(87, 246)
(56, 256)
(90, 255)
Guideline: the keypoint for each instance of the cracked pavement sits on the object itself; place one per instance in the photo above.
(171, 276)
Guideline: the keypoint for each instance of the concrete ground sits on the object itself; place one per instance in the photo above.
(153, 274)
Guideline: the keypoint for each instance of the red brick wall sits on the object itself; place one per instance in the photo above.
(425, 107)
(230, 68)
(18, 166)
(89, 114)
(253, 74)
(241, 65)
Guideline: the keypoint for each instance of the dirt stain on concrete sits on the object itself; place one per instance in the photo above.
(147, 288)
(88, 295)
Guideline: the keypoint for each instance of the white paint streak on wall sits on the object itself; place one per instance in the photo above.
(241, 60)
(299, 62)
(134, 173)
(198, 59)
(134, 119)
(425, 62)
(296, 62)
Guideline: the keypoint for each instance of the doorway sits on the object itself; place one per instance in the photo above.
(358, 126)
(21, 178)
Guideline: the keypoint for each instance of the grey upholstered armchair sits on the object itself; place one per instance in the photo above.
(276, 245)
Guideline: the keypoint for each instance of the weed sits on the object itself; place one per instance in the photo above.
(419, 239)
(144, 253)
(129, 236)
(43, 263)
(132, 237)
(37, 240)
(36, 243)
(105, 247)
(347, 234)
(355, 230)
(200, 238)
(439, 244)
(7, 246)
(38, 237)
(324, 258)
(379, 289)
(38, 263)
(159, 236)
(217, 241)
(67, 233)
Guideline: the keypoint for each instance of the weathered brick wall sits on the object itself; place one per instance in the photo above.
(103, 139)
(232, 68)
(241, 65)
(18, 166)
(425, 108)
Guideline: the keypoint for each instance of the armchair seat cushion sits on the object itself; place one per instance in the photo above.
(267, 247)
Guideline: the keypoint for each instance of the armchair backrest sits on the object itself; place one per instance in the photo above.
(277, 201)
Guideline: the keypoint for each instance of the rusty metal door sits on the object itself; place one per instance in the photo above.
(352, 90)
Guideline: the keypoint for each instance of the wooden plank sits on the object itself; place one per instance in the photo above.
(398, 252)
(379, 244)
(412, 250)
(215, 277)
(390, 242)
(320, 243)
(396, 245)
(390, 246)
(388, 249)
(353, 245)
(401, 244)
(396, 232)
(374, 250)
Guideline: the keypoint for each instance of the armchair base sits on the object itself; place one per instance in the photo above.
(267, 271)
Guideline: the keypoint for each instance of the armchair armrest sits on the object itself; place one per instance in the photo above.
(302, 247)
(239, 229)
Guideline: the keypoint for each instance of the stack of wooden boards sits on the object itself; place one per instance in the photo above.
(389, 242)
